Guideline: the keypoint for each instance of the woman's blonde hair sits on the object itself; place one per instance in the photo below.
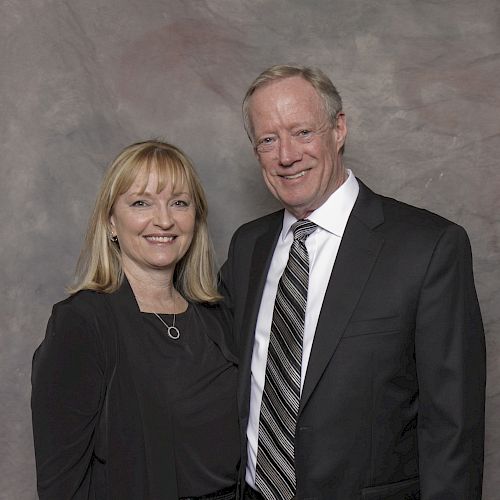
(99, 266)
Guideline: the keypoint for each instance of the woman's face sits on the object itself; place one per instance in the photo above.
(154, 230)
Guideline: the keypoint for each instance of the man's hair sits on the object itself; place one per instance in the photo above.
(100, 266)
(323, 85)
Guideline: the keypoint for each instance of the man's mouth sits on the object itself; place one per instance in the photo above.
(294, 176)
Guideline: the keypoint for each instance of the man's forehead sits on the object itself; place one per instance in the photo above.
(289, 97)
(291, 84)
(288, 93)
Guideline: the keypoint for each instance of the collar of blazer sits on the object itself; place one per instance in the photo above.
(124, 304)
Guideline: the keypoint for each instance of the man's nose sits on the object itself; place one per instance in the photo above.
(289, 152)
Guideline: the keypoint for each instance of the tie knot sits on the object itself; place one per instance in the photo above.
(302, 229)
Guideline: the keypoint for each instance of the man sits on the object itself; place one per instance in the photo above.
(362, 363)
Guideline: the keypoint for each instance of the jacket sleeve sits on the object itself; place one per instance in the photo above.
(225, 281)
(226, 277)
(450, 357)
(67, 392)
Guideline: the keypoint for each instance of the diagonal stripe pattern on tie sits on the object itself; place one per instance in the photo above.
(275, 471)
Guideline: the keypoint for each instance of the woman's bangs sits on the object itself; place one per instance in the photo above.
(169, 172)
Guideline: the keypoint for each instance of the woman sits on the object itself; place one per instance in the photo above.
(134, 386)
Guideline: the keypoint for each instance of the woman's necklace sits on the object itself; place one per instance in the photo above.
(172, 331)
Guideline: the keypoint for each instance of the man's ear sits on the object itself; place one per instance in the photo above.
(340, 130)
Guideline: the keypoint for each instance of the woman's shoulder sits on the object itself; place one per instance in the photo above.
(215, 319)
(81, 302)
(216, 310)
(75, 328)
(84, 311)
(212, 315)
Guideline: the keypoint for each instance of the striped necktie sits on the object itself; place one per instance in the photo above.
(275, 471)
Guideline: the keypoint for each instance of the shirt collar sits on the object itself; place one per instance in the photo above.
(332, 216)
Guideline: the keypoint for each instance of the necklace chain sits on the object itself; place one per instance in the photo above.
(172, 331)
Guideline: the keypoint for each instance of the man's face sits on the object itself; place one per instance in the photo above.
(296, 144)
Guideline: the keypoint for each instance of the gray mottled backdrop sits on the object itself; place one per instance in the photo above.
(80, 79)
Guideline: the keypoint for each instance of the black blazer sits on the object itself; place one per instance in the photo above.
(90, 350)
(393, 400)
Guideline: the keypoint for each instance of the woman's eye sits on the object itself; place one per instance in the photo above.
(180, 203)
(139, 203)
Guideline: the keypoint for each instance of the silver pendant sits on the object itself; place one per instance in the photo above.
(173, 332)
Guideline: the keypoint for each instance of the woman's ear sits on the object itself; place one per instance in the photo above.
(111, 227)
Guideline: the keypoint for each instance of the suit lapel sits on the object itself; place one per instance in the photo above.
(357, 254)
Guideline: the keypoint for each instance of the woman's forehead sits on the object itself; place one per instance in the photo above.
(155, 178)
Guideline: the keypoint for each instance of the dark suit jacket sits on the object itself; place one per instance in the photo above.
(393, 400)
(90, 446)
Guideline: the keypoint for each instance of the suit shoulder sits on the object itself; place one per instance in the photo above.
(257, 226)
(400, 221)
(415, 218)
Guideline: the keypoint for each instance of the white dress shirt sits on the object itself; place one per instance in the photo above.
(322, 246)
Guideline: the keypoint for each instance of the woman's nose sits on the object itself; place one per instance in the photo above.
(162, 217)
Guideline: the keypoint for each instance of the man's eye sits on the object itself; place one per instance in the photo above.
(304, 133)
(265, 144)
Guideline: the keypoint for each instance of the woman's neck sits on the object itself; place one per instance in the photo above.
(155, 292)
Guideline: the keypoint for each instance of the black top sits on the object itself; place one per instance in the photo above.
(122, 412)
(200, 386)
